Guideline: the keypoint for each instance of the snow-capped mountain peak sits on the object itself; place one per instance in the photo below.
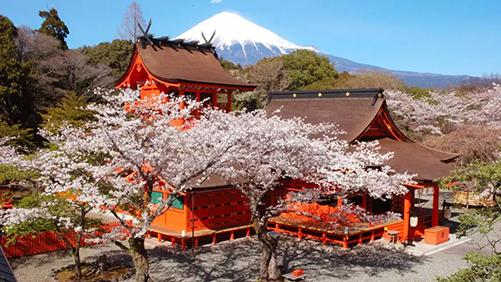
(234, 33)
(243, 42)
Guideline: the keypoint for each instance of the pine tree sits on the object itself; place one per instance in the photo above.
(115, 54)
(10, 68)
(54, 26)
(16, 103)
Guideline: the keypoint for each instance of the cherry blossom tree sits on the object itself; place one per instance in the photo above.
(128, 153)
(7, 152)
(69, 220)
(447, 109)
(274, 149)
(157, 143)
(61, 202)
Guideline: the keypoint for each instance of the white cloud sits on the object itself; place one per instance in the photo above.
(216, 1)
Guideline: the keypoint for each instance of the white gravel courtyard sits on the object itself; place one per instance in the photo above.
(238, 261)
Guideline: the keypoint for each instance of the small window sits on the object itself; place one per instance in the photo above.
(176, 201)
(156, 197)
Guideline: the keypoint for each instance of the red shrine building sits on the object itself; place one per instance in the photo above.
(181, 68)
(364, 116)
(215, 211)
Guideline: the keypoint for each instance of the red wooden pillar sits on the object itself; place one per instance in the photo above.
(434, 215)
(228, 104)
(407, 215)
(214, 99)
(197, 95)
(364, 201)
(197, 98)
(339, 201)
(183, 245)
(181, 94)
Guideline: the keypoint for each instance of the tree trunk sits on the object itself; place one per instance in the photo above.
(269, 267)
(140, 258)
(265, 261)
(78, 266)
(274, 266)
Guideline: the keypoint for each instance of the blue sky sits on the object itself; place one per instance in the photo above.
(450, 37)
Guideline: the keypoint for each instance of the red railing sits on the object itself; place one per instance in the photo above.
(44, 242)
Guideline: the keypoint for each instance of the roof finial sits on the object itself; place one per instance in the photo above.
(146, 36)
(210, 39)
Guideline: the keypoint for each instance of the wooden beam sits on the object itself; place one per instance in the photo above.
(434, 215)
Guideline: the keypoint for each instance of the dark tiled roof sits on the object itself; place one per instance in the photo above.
(415, 158)
(351, 109)
(354, 110)
(185, 63)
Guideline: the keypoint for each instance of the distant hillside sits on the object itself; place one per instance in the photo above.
(243, 42)
(410, 78)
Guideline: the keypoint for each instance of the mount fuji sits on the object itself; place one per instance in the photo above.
(240, 40)
(243, 42)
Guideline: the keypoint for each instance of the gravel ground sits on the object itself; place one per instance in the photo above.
(39, 267)
(238, 261)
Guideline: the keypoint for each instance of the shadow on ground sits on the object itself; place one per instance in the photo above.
(42, 259)
(239, 261)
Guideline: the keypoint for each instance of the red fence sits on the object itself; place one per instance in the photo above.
(44, 242)
(217, 209)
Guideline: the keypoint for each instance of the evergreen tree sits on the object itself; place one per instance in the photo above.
(16, 100)
(305, 67)
(11, 72)
(54, 26)
(115, 54)
(69, 111)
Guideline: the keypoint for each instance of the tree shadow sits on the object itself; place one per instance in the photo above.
(40, 259)
(324, 262)
(239, 261)
(234, 261)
